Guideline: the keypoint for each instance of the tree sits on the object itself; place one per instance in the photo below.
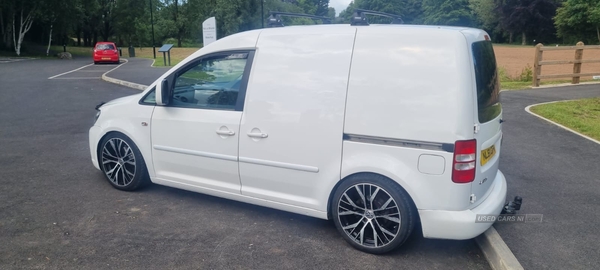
(23, 17)
(578, 20)
(409, 10)
(527, 17)
(131, 20)
(485, 15)
(447, 12)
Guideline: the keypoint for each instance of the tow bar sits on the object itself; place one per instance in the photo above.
(511, 208)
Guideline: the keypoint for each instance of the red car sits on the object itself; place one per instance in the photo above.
(106, 52)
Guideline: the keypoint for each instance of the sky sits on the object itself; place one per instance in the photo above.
(339, 5)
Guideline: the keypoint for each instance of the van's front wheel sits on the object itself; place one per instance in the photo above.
(372, 214)
(122, 163)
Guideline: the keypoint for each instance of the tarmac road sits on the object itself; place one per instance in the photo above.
(558, 175)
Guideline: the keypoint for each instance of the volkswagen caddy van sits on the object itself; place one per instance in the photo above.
(376, 127)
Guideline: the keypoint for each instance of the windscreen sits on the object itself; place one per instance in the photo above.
(488, 86)
(105, 47)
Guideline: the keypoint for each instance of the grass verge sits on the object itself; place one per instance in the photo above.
(581, 115)
(177, 55)
(519, 85)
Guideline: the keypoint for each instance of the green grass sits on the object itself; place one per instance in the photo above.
(79, 51)
(514, 85)
(177, 55)
(581, 115)
(519, 85)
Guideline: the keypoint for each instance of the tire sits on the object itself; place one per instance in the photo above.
(122, 163)
(95, 63)
(376, 224)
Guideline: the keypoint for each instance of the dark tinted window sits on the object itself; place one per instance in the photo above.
(486, 76)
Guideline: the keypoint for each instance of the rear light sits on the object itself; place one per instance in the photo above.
(463, 163)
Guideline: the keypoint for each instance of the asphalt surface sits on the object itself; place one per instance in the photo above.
(58, 212)
(558, 175)
(138, 70)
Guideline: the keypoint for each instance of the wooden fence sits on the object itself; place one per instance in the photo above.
(577, 62)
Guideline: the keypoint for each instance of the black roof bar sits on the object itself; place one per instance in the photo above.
(274, 19)
(359, 17)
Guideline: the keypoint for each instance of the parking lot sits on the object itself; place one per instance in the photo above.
(58, 212)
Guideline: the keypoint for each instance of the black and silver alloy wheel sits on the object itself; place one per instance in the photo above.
(118, 162)
(369, 215)
(122, 162)
(372, 213)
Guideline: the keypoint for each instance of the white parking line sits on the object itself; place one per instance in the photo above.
(528, 109)
(50, 78)
(78, 78)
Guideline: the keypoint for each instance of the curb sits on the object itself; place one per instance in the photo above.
(122, 82)
(496, 251)
(566, 84)
(528, 109)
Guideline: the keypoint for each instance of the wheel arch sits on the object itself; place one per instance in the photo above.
(107, 133)
(367, 173)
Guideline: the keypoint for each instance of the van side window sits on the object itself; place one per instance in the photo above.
(486, 76)
(211, 83)
(150, 98)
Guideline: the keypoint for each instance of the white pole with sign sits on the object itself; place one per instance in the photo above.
(209, 31)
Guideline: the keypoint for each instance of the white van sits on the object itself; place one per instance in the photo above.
(375, 127)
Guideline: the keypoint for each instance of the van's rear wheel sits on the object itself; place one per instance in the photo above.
(372, 214)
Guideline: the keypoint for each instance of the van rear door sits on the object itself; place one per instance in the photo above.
(488, 124)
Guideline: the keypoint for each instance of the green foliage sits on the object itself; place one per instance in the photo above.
(409, 10)
(127, 22)
(447, 12)
(530, 18)
(526, 74)
(484, 12)
(578, 20)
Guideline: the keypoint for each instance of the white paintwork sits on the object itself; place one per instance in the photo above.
(301, 109)
(209, 31)
(410, 85)
(308, 86)
(460, 225)
(432, 164)
(124, 115)
(187, 148)
(435, 192)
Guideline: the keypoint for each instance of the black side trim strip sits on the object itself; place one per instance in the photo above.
(448, 147)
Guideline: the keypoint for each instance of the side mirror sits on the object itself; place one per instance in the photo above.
(163, 93)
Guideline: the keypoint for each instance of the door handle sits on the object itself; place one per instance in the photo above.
(258, 135)
(225, 132)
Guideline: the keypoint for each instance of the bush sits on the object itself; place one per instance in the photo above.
(525, 76)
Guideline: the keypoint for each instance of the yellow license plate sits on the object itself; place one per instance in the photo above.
(487, 154)
(105, 58)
